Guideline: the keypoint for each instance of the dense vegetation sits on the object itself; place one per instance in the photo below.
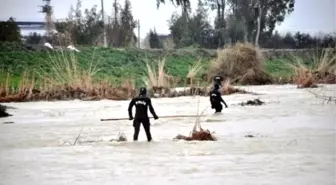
(236, 21)
(30, 71)
(116, 64)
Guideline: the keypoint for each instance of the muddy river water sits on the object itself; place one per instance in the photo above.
(293, 143)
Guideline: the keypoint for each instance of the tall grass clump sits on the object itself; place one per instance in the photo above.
(325, 66)
(326, 61)
(321, 69)
(157, 80)
(64, 69)
(303, 75)
(242, 63)
(63, 77)
(194, 72)
(16, 88)
(73, 80)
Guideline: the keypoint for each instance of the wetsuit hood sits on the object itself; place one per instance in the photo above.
(143, 91)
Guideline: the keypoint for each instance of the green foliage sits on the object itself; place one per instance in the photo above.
(115, 64)
(34, 38)
(278, 9)
(83, 28)
(9, 31)
(154, 41)
(272, 12)
(87, 27)
(185, 4)
(199, 25)
(278, 68)
(127, 24)
(177, 28)
(11, 46)
(191, 30)
(236, 21)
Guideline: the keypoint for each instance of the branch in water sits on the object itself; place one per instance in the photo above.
(325, 98)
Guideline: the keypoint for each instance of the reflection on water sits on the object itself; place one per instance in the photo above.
(293, 142)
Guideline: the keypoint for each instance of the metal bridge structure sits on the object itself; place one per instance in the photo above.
(31, 25)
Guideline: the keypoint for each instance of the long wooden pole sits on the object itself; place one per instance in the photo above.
(178, 116)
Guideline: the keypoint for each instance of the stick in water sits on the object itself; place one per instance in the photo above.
(178, 116)
(78, 136)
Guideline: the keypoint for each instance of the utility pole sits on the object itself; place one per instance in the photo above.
(138, 33)
(103, 17)
(48, 10)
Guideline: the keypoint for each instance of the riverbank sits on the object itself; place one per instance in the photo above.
(107, 73)
(118, 64)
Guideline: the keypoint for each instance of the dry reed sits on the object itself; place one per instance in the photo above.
(326, 62)
(321, 71)
(194, 72)
(242, 62)
(228, 89)
(65, 79)
(158, 82)
(325, 66)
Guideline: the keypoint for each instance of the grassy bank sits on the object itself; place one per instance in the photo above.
(96, 73)
(114, 65)
(118, 65)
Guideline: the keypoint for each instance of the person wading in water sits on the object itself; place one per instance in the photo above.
(218, 80)
(216, 99)
(142, 103)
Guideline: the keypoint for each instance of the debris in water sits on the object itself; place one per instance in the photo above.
(249, 135)
(254, 102)
(254, 135)
(3, 112)
(197, 136)
(8, 122)
(121, 137)
(201, 135)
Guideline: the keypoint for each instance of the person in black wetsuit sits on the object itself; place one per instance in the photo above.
(142, 103)
(216, 99)
(218, 80)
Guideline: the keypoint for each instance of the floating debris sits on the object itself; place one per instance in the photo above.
(249, 135)
(3, 112)
(8, 122)
(202, 135)
(121, 138)
(255, 102)
(254, 135)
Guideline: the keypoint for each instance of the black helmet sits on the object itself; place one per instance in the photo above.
(218, 78)
(143, 91)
